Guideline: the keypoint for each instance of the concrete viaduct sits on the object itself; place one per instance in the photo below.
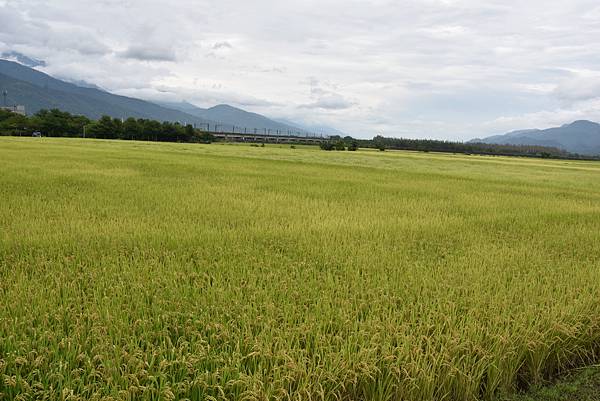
(239, 137)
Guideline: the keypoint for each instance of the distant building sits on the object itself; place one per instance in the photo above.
(15, 109)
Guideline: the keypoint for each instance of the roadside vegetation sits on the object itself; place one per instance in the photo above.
(159, 271)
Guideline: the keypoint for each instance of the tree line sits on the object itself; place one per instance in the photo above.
(432, 145)
(57, 123)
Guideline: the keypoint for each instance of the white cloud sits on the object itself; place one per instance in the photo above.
(581, 110)
(451, 69)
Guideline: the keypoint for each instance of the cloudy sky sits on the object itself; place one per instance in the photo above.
(449, 69)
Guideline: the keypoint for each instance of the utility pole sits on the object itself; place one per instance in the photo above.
(5, 94)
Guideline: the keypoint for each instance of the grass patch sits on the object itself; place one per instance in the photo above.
(578, 385)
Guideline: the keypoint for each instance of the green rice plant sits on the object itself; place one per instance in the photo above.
(156, 271)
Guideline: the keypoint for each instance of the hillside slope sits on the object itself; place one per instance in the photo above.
(581, 137)
(37, 90)
(233, 116)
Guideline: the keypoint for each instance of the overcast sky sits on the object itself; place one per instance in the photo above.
(449, 69)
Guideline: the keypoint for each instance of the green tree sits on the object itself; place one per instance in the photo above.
(189, 133)
(168, 132)
(103, 128)
(16, 124)
(206, 137)
(117, 132)
(379, 142)
(131, 129)
(339, 145)
(56, 123)
(151, 130)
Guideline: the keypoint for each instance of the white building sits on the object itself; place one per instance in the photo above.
(15, 109)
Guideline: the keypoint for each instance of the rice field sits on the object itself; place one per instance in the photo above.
(147, 271)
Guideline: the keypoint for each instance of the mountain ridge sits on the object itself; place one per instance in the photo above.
(236, 117)
(580, 136)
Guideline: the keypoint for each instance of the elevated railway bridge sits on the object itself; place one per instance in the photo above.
(267, 138)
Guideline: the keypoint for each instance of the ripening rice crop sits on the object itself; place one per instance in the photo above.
(141, 271)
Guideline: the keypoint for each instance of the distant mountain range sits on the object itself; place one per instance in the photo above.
(240, 119)
(582, 137)
(36, 90)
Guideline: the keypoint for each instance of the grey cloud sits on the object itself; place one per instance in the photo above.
(278, 70)
(325, 97)
(85, 48)
(329, 102)
(207, 97)
(222, 45)
(143, 53)
(23, 59)
(579, 88)
(19, 30)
